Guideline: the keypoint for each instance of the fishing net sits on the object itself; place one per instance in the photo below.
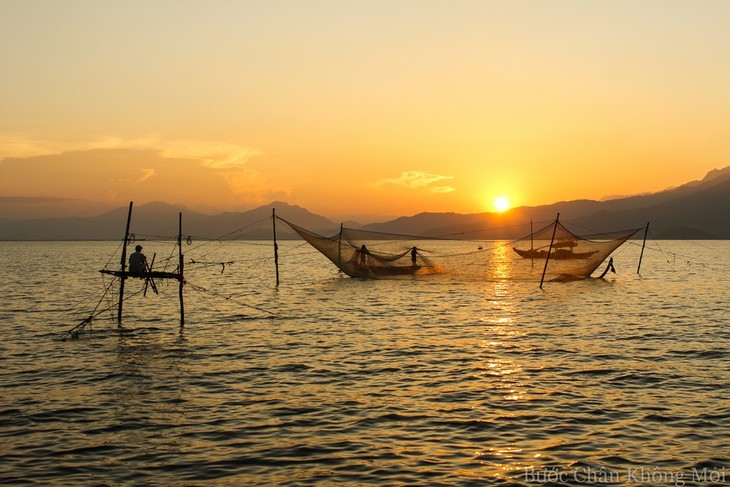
(568, 255)
(361, 253)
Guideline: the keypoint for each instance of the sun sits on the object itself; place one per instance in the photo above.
(501, 204)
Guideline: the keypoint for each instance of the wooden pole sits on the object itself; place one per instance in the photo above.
(532, 245)
(181, 279)
(276, 246)
(646, 232)
(123, 266)
(149, 280)
(339, 248)
(547, 259)
(532, 236)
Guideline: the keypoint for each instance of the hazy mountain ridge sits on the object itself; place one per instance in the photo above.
(158, 220)
(698, 209)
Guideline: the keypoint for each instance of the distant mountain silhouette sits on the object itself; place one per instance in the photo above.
(160, 220)
(696, 210)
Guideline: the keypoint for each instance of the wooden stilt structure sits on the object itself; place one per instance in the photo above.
(339, 247)
(532, 236)
(532, 244)
(547, 258)
(643, 245)
(150, 280)
(123, 266)
(180, 278)
(276, 246)
(123, 274)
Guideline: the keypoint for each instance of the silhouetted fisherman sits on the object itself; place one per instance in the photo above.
(137, 261)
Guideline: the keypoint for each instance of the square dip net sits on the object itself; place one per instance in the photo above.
(368, 254)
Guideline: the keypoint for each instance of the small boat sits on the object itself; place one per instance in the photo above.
(558, 254)
(360, 270)
(562, 249)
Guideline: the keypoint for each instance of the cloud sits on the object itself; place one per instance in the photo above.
(146, 174)
(216, 155)
(207, 174)
(252, 187)
(213, 154)
(416, 180)
(19, 146)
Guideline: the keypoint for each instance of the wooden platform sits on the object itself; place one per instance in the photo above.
(143, 275)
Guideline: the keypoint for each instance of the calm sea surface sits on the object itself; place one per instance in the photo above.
(328, 380)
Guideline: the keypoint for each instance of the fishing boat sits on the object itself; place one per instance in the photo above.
(380, 270)
(561, 250)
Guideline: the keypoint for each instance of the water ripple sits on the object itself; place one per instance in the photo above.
(408, 382)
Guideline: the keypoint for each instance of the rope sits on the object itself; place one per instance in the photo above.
(222, 237)
(201, 289)
(665, 253)
(74, 307)
(79, 328)
(507, 227)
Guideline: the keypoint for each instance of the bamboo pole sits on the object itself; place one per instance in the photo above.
(532, 236)
(532, 245)
(149, 280)
(122, 278)
(181, 279)
(339, 248)
(643, 245)
(276, 246)
(547, 259)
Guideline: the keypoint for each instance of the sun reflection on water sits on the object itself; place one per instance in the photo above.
(419, 381)
(500, 267)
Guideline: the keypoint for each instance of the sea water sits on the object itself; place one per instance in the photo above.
(326, 380)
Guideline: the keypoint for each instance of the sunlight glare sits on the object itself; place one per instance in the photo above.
(501, 204)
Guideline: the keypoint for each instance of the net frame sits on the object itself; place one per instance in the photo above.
(568, 255)
(367, 254)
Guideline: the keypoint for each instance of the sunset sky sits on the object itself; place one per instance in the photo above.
(360, 109)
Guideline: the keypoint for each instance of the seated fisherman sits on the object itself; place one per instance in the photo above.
(137, 261)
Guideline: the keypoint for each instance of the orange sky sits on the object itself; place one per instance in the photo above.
(360, 109)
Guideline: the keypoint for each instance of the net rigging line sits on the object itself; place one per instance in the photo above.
(445, 237)
(133, 238)
(229, 297)
(75, 308)
(76, 331)
(114, 255)
(493, 229)
(407, 238)
(199, 262)
(170, 258)
(224, 239)
(200, 290)
(670, 257)
(695, 243)
(689, 259)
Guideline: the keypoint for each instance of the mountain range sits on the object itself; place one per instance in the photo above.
(696, 210)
